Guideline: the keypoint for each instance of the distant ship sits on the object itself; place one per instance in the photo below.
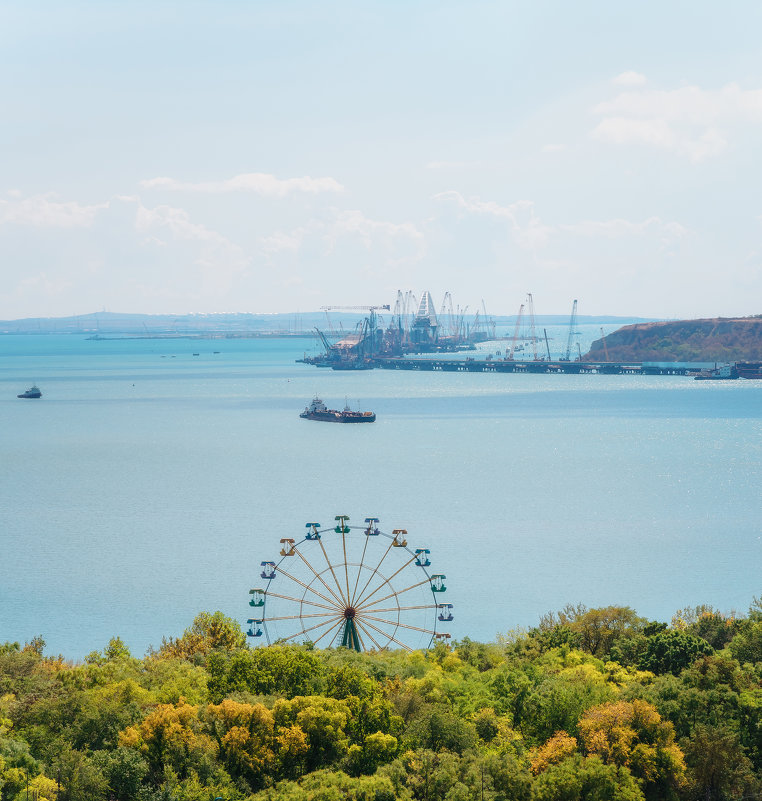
(749, 369)
(317, 411)
(32, 392)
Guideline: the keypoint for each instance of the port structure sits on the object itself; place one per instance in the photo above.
(351, 586)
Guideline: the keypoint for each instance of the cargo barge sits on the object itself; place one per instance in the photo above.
(317, 410)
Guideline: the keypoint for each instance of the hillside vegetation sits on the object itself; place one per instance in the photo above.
(591, 704)
(718, 340)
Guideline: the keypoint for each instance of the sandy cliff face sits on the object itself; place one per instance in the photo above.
(721, 340)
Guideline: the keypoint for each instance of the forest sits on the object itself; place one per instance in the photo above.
(589, 704)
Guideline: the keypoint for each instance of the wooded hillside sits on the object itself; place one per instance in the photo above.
(718, 340)
(591, 704)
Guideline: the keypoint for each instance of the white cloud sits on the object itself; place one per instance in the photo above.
(691, 122)
(553, 148)
(43, 211)
(452, 165)
(629, 78)
(526, 228)
(620, 228)
(257, 182)
(529, 232)
(348, 224)
(219, 259)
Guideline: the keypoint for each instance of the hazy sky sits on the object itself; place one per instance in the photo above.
(279, 156)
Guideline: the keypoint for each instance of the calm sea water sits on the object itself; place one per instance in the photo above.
(148, 484)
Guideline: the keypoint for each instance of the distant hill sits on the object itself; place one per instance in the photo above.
(716, 340)
(293, 323)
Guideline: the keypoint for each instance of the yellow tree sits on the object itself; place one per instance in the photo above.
(245, 737)
(559, 747)
(633, 735)
(169, 736)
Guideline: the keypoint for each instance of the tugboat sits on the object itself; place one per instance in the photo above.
(32, 392)
(317, 410)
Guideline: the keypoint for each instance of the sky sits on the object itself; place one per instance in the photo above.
(199, 157)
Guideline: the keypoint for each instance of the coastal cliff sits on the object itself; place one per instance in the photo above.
(715, 340)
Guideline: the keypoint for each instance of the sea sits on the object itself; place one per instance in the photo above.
(154, 477)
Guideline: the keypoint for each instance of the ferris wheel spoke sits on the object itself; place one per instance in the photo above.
(299, 600)
(300, 617)
(319, 577)
(344, 600)
(396, 593)
(386, 581)
(395, 623)
(370, 636)
(311, 628)
(359, 569)
(383, 634)
(333, 628)
(346, 566)
(375, 570)
(366, 610)
(302, 584)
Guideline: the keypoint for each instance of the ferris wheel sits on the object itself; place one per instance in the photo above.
(351, 586)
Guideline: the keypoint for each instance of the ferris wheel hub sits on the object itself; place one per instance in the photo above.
(350, 612)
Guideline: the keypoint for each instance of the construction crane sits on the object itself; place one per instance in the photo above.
(489, 323)
(516, 330)
(386, 307)
(446, 313)
(605, 347)
(532, 332)
(572, 333)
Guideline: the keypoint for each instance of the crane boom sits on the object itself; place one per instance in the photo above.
(385, 307)
(516, 330)
(605, 347)
(572, 332)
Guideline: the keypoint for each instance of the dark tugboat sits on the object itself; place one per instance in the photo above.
(317, 411)
(32, 392)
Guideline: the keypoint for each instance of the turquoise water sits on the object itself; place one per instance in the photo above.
(144, 488)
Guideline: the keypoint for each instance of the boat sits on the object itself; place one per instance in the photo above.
(726, 372)
(317, 410)
(32, 392)
(749, 369)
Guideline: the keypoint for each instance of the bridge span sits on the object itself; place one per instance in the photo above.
(471, 365)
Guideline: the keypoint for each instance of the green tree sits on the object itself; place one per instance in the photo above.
(746, 646)
(124, 770)
(672, 651)
(586, 779)
(718, 767)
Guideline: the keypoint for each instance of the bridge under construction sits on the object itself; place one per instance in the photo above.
(490, 365)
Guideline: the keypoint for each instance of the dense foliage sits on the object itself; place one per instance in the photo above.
(591, 704)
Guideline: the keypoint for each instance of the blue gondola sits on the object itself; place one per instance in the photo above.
(422, 555)
(269, 570)
(371, 529)
(445, 612)
(312, 534)
(254, 632)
